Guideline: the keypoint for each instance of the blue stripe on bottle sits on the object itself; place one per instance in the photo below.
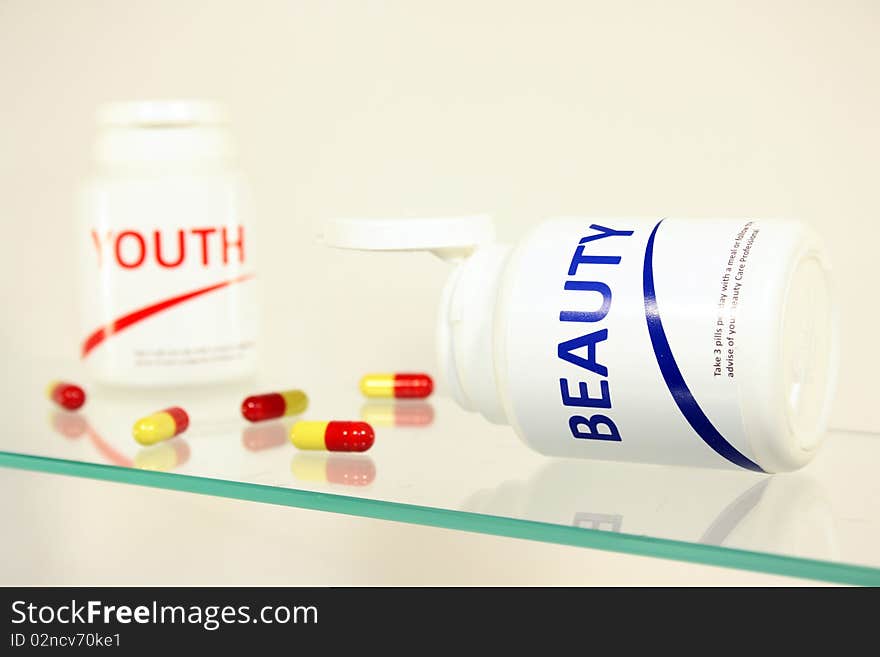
(672, 375)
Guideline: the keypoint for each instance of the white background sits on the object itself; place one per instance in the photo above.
(525, 110)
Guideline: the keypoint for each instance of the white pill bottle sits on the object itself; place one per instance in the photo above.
(681, 341)
(166, 250)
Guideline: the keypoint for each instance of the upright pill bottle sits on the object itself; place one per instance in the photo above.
(682, 341)
(166, 250)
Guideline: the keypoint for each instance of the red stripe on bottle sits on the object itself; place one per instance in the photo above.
(141, 314)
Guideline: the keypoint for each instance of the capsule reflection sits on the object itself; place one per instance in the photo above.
(343, 469)
(258, 437)
(70, 425)
(164, 456)
(398, 413)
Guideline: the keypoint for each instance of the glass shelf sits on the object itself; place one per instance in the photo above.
(435, 464)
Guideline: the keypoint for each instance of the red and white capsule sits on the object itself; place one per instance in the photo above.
(332, 436)
(66, 395)
(401, 385)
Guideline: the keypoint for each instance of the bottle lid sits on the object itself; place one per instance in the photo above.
(161, 113)
(445, 236)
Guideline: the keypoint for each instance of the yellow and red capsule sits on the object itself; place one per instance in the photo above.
(66, 395)
(274, 404)
(332, 436)
(160, 426)
(402, 385)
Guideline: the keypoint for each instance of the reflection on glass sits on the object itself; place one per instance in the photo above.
(734, 513)
(164, 456)
(74, 425)
(791, 513)
(264, 435)
(399, 413)
(68, 424)
(787, 513)
(609, 522)
(329, 468)
(110, 453)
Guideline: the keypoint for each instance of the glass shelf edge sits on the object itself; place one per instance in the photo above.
(458, 520)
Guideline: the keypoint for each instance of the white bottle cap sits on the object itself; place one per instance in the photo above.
(163, 134)
(468, 294)
(447, 237)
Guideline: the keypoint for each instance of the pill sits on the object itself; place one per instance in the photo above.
(413, 413)
(163, 457)
(160, 426)
(264, 436)
(66, 395)
(343, 469)
(332, 436)
(400, 386)
(274, 404)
